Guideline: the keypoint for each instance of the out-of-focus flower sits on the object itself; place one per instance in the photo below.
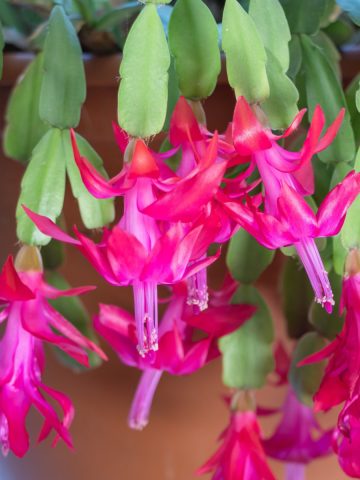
(341, 381)
(342, 372)
(241, 455)
(30, 321)
(347, 444)
(179, 352)
(298, 439)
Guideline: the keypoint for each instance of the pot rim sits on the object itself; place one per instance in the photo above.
(103, 70)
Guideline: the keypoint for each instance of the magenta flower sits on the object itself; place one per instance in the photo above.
(342, 374)
(163, 194)
(143, 261)
(179, 353)
(276, 165)
(287, 176)
(140, 251)
(346, 445)
(296, 224)
(200, 172)
(240, 455)
(182, 198)
(188, 193)
(298, 439)
(341, 381)
(185, 132)
(30, 319)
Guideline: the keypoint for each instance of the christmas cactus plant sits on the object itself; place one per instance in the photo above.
(281, 181)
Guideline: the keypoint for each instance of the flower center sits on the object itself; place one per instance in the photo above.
(198, 295)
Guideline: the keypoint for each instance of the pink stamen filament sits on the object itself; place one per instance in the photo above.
(146, 316)
(198, 295)
(4, 435)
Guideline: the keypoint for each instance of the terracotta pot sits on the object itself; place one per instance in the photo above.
(350, 63)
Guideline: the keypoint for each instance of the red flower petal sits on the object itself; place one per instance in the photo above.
(184, 126)
(248, 134)
(11, 286)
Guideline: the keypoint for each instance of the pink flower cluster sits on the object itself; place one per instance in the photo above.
(341, 382)
(171, 217)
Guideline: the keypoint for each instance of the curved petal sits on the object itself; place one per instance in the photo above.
(320, 355)
(51, 292)
(209, 157)
(96, 184)
(304, 179)
(126, 254)
(195, 357)
(171, 351)
(66, 328)
(312, 138)
(35, 321)
(185, 200)
(291, 161)
(266, 229)
(198, 265)
(50, 415)
(117, 327)
(67, 408)
(219, 321)
(48, 227)
(121, 137)
(96, 255)
(333, 209)
(15, 405)
(294, 125)
(183, 125)
(249, 135)
(170, 255)
(11, 287)
(331, 132)
(211, 225)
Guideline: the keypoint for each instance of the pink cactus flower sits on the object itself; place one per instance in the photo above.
(179, 353)
(141, 260)
(347, 444)
(287, 177)
(341, 381)
(30, 321)
(296, 224)
(342, 374)
(241, 455)
(298, 439)
(276, 165)
(150, 187)
(140, 251)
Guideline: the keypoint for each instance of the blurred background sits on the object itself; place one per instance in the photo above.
(188, 412)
